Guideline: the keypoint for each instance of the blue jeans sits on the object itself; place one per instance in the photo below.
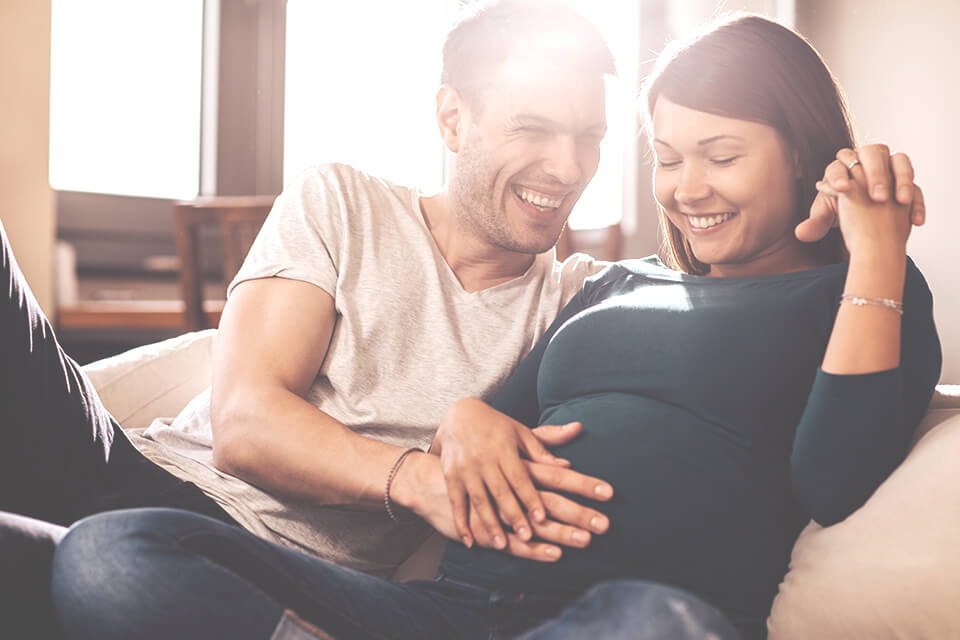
(163, 573)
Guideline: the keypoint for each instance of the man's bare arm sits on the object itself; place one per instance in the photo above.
(273, 337)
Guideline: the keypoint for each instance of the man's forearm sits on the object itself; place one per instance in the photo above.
(276, 440)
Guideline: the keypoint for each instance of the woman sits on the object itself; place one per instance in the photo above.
(758, 382)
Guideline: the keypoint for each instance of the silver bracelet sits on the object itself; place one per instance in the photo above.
(393, 472)
(877, 302)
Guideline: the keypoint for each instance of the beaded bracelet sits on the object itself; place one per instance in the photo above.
(877, 302)
(386, 490)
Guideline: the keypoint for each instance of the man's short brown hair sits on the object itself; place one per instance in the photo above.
(485, 36)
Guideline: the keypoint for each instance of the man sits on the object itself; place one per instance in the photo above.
(365, 309)
(406, 302)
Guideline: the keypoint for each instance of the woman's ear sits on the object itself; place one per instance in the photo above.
(450, 113)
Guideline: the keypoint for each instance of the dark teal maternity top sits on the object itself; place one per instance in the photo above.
(703, 404)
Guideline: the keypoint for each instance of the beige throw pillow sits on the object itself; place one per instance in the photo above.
(892, 569)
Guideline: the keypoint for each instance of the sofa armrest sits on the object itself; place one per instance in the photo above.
(155, 380)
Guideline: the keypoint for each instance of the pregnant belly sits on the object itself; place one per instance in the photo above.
(695, 505)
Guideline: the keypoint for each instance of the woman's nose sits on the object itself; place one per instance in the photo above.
(693, 185)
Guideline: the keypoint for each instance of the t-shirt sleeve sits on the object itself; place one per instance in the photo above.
(855, 429)
(302, 237)
(518, 396)
(575, 270)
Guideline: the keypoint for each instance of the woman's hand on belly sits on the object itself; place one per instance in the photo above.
(490, 484)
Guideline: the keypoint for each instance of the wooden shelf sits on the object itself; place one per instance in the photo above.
(132, 314)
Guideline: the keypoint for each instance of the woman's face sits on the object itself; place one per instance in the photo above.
(730, 187)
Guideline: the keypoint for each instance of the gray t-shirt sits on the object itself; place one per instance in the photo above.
(408, 342)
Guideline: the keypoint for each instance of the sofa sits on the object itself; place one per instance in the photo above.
(890, 570)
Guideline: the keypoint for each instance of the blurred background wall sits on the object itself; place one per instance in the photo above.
(26, 199)
(898, 63)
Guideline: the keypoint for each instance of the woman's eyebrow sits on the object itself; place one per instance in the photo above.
(719, 137)
(704, 141)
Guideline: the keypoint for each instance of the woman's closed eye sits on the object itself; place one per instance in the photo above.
(723, 162)
(668, 164)
(719, 162)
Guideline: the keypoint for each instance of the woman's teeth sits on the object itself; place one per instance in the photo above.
(705, 222)
(540, 202)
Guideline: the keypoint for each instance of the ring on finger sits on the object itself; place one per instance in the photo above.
(852, 164)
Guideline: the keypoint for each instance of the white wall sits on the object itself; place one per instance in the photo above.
(26, 200)
(900, 66)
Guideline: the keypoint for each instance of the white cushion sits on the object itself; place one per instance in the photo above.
(156, 380)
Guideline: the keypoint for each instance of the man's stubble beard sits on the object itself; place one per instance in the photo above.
(476, 208)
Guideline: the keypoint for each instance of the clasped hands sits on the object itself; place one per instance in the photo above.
(875, 177)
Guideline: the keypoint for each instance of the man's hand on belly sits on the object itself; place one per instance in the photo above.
(489, 483)
(420, 486)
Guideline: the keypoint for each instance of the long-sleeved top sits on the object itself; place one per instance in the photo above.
(704, 405)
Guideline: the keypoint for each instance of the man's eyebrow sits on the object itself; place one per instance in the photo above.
(532, 118)
(705, 141)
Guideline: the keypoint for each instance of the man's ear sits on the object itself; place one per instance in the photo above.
(450, 112)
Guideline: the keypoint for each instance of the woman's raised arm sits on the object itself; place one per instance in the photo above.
(881, 364)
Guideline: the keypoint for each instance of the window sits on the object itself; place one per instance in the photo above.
(125, 96)
(361, 90)
(612, 191)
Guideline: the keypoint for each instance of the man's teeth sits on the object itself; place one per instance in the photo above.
(538, 201)
(705, 222)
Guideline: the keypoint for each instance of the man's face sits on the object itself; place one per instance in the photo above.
(527, 151)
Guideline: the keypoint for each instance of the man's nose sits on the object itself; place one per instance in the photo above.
(693, 185)
(562, 160)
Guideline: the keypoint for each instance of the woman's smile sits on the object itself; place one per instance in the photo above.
(708, 222)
